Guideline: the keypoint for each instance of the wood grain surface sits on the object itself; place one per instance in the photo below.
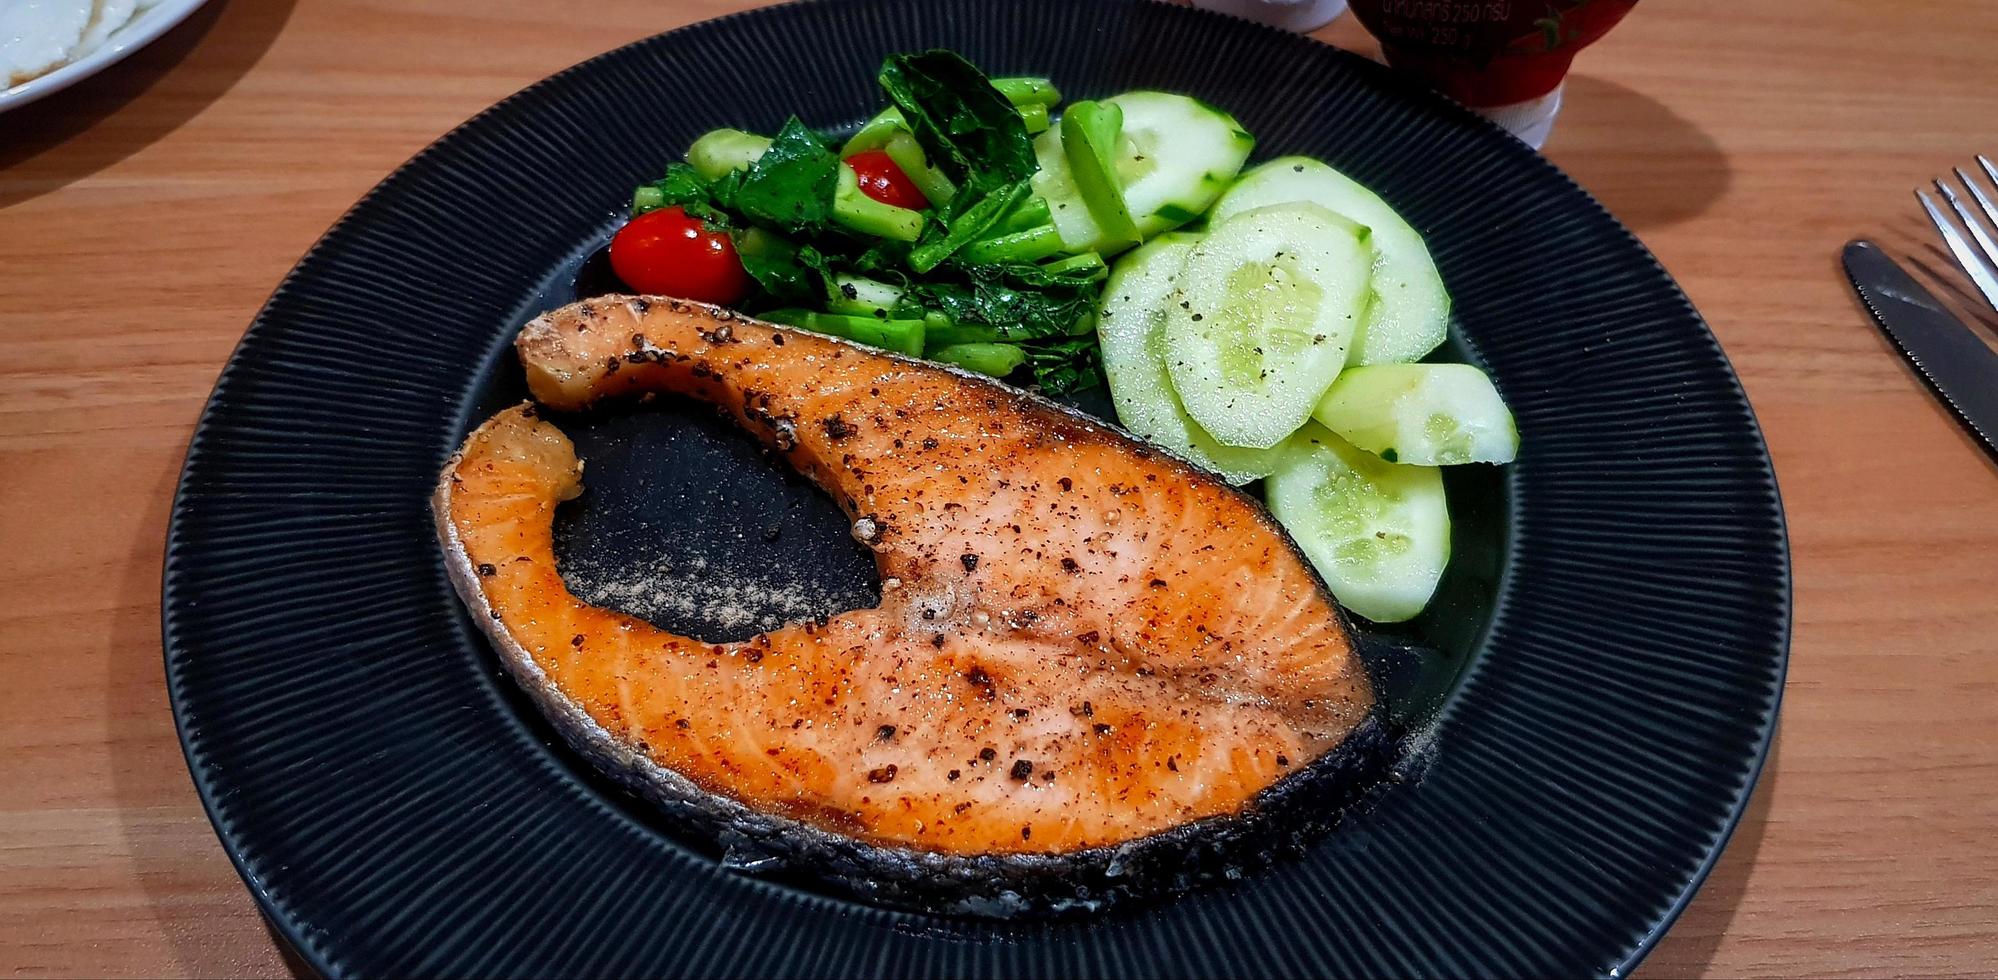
(146, 213)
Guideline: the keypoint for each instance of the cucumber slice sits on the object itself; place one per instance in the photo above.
(719, 151)
(1131, 330)
(1411, 311)
(1179, 155)
(1262, 319)
(1378, 532)
(1427, 414)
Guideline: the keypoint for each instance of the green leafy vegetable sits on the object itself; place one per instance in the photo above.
(684, 186)
(966, 127)
(1049, 314)
(1065, 365)
(787, 274)
(791, 185)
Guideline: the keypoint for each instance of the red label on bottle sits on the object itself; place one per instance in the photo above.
(1488, 52)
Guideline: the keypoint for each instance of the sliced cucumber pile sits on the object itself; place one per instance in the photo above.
(1428, 414)
(1411, 311)
(1131, 328)
(1378, 532)
(1262, 318)
(1280, 343)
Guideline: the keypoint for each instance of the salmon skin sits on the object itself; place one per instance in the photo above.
(1095, 670)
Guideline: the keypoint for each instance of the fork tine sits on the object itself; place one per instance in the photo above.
(1977, 227)
(1989, 170)
(1977, 191)
(1973, 264)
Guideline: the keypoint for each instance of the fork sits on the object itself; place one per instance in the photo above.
(1981, 262)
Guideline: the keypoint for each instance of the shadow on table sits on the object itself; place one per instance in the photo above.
(1688, 950)
(1672, 173)
(127, 106)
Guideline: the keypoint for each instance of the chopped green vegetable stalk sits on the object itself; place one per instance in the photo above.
(1023, 92)
(997, 360)
(855, 210)
(968, 226)
(874, 133)
(1031, 245)
(862, 296)
(1032, 213)
(1091, 138)
(942, 331)
(900, 336)
(1089, 265)
(908, 155)
(1036, 118)
(720, 151)
(647, 198)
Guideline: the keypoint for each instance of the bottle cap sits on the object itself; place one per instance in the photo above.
(1532, 120)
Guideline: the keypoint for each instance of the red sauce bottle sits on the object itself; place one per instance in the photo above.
(1504, 57)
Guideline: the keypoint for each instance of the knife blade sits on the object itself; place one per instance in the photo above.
(1955, 362)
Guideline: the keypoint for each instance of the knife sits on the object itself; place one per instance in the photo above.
(1951, 358)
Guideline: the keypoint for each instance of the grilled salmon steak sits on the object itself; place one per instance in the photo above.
(1081, 641)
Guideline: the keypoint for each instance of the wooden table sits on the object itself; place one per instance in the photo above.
(145, 215)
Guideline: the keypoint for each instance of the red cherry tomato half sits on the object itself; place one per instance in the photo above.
(672, 253)
(884, 181)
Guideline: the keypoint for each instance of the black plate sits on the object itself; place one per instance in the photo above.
(1599, 678)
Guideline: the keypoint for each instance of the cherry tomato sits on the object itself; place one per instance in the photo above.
(672, 253)
(884, 181)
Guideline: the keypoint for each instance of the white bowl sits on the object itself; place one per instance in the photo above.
(141, 31)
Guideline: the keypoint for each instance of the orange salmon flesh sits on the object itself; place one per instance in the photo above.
(1081, 641)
